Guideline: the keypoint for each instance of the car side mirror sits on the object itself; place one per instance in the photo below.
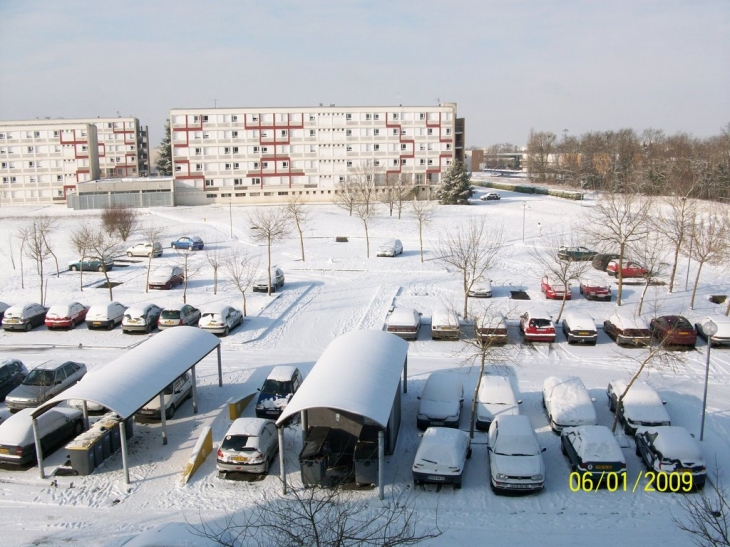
(664, 402)
(519, 402)
(544, 448)
(59, 382)
(593, 399)
(418, 397)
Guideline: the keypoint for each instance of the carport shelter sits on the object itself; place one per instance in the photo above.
(352, 394)
(128, 383)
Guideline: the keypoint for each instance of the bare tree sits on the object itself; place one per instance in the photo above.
(675, 223)
(365, 210)
(559, 271)
(241, 268)
(80, 240)
(346, 195)
(35, 245)
(470, 250)
(395, 193)
(300, 215)
(618, 219)
(423, 212)
(105, 246)
(151, 235)
(709, 243)
(214, 258)
(650, 251)
(322, 517)
(120, 220)
(270, 225)
(190, 268)
(706, 516)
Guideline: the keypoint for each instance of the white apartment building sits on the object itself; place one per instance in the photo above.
(123, 146)
(266, 154)
(41, 161)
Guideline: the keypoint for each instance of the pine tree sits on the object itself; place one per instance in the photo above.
(454, 188)
(164, 161)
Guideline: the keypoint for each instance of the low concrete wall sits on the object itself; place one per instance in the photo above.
(236, 408)
(202, 448)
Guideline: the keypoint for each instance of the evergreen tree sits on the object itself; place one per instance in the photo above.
(164, 160)
(454, 187)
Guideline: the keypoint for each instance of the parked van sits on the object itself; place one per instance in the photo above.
(579, 328)
(105, 316)
(642, 406)
(444, 324)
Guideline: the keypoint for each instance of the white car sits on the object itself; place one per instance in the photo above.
(495, 398)
(722, 336)
(174, 395)
(404, 322)
(641, 407)
(440, 401)
(515, 456)
(671, 449)
(141, 318)
(444, 324)
(441, 456)
(261, 284)
(579, 328)
(249, 446)
(106, 315)
(220, 319)
(145, 249)
(567, 403)
(392, 247)
(481, 288)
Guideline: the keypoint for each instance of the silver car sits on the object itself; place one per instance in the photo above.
(220, 319)
(392, 247)
(249, 446)
(45, 382)
(145, 249)
(174, 395)
(277, 281)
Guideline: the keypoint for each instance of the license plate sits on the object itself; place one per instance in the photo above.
(11, 321)
(435, 478)
(4, 451)
(583, 333)
(240, 459)
(436, 423)
(96, 323)
(603, 467)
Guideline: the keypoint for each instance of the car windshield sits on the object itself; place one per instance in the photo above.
(40, 378)
(516, 445)
(276, 386)
(540, 323)
(171, 314)
(210, 316)
(169, 389)
(239, 443)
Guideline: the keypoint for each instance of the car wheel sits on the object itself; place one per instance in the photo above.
(129, 254)
(627, 428)
(74, 268)
(170, 413)
(611, 405)
(28, 326)
(638, 452)
(457, 484)
(78, 427)
(226, 331)
(562, 448)
(100, 269)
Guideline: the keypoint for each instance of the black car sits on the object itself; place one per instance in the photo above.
(593, 450)
(12, 374)
(280, 385)
(672, 449)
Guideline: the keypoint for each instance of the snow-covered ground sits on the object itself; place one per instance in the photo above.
(334, 291)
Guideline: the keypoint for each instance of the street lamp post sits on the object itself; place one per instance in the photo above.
(230, 216)
(524, 211)
(709, 328)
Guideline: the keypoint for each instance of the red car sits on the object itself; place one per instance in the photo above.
(673, 330)
(66, 315)
(554, 289)
(628, 269)
(537, 326)
(593, 290)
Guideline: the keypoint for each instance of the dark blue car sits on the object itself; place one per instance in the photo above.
(281, 383)
(192, 243)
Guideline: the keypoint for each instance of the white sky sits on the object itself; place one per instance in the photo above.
(510, 66)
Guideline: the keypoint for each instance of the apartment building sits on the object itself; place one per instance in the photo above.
(267, 154)
(123, 146)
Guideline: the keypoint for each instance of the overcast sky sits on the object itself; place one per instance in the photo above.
(509, 65)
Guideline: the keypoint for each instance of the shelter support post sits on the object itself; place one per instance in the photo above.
(282, 471)
(381, 463)
(220, 367)
(123, 442)
(86, 414)
(405, 375)
(38, 449)
(195, 391)
(163, 418)
(305, 421)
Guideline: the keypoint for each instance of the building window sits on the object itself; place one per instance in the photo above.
(206, 135)
(395, 131)
(55, 133)
(264, 134)
(376, 147)
(234, 118)
(31, 164)
(59, 178)
(429, 131)
(395, 115)
(237, 182)
(376, 132)
(196, 119)
(205, 118)
(349, 164)
(312, 133)
(348, 116)
(5, 165)
(234, 134)
(342, 179)
(448, 131)
(348, 133)
(235, 149)
(448, 146)
(227, 150)
(349, 148)
(241, 195)
(422, 161)
(376, 163)
(376, 116)
(430, 162)
(256, 180)
(283, 132)
(210, 195)
(285, 164)
(228, 167)
(254, 118)
(225, 195)
(236, 165)
(395, 162)
(209, 182)
(283, 193)
(198, 151)
(255, 149)
(265, 165)
(311, 117)
(422, 147)
(403, 146)
(255, 165)
(368, 116)
(422, 116)
(402, 162)
(177, 168)
(264, 149)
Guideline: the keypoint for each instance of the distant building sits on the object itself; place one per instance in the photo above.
(267, 154)
(42, 161)
(130, 192)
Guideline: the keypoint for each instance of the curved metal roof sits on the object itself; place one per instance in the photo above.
(359, 372)
(126, 384)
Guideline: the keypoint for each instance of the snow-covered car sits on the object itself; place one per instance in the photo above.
(106, 315)
(641, 407)
(673, 330)
(440, 401)
(492, 329)
(220, 319)
(515, 456)
(537, 326)
(178, 315)
(404, 322)
(627, 330)
(496, 397)
(174, 395)
(490, 196)
(166, 277)
(55, 426)
(279, 387)
(575, 253)
(12, 374)
(722, 336)
(629, 268)
(593, 450)
(441, 456)
(249, 446)
(481, 288)
(145, 249)
(579, 328)
(261, 284)
(671, 449)
(66, 315)
(141, 318)
(45, 382)
(188, 243)
(554, 289)
(592, 289)
(392, 247)
(91, 264)
(444, 324)
(24, 316)
(567, 403)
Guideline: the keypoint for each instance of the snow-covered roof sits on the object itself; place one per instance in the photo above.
(628, 321)
(282, 373)
(18, 431)
(568, 401)
(496, 390)
(359, 372)
(642, 403)
(599, 444)
(246, 426)
(675, 442)
(443, 386)
(127, 383)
